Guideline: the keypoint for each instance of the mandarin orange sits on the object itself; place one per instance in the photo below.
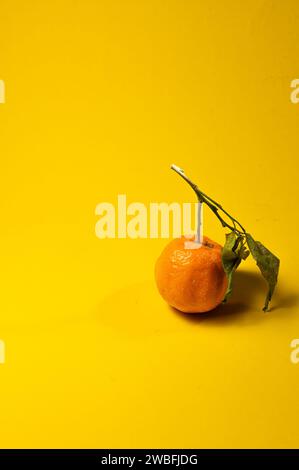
(191, 277)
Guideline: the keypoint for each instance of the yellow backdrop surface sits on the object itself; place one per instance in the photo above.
(101, 97)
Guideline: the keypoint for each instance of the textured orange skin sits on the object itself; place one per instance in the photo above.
(191, 280)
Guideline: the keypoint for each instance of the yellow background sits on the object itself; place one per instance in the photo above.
(101, 97)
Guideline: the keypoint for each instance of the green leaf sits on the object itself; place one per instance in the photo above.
(232, 254)
(268, 264)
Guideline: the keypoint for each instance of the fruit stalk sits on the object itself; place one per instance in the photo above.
(199, 232)
(213, 205)
(234, 250)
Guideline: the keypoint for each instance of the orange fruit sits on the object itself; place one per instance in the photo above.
(191, 278)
